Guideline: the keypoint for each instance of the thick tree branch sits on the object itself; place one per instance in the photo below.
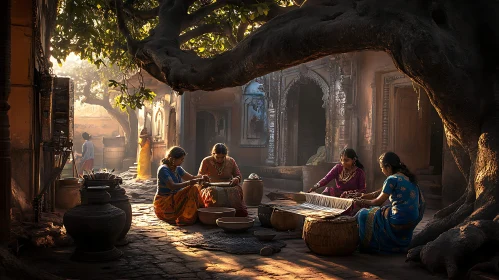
(171, 15)
(120, 17)
(241, 30)
(201, 13)
(141, 14)
(118, 115)
(203, 29)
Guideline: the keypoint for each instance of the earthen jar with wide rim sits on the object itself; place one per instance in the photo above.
(252, 192)
(95, 226)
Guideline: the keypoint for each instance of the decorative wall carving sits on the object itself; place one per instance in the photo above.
(385, 134)
(254, 115)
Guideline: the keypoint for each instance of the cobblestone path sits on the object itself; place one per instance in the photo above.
(155, 253)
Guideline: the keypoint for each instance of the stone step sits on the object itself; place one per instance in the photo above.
(431, 178)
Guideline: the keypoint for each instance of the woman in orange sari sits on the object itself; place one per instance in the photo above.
(219, 167)
(177, 198)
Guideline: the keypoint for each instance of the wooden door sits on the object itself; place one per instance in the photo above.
(411, 128)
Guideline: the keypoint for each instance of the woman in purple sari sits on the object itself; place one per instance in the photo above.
(349, 175)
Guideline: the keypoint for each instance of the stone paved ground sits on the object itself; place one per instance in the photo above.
(155, 253)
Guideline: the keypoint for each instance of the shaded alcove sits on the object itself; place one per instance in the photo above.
(205, 135)
(306, 121)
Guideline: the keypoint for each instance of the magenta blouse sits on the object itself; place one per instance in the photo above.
(357, 183)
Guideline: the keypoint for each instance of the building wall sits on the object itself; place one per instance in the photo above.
(21, 96)
(371, 65)
(226, 99)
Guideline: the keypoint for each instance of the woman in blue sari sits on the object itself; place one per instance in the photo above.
(389, 229)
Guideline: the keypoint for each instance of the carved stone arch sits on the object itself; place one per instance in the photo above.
(304, 73)
(313, 76)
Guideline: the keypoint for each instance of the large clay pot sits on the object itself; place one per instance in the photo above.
(282, 220)
(264, 215)
(95, 227)
(252, 192)
(67, 193)
(121, 200)
(118, 199)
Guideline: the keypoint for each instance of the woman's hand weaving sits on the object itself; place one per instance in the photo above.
(314, 188)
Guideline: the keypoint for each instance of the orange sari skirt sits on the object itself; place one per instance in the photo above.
(180, 208)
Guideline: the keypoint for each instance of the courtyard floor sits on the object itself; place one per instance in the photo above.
(154, 252)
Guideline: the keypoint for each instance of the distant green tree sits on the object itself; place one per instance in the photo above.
(106, 86)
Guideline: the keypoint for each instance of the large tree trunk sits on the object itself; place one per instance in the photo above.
(127, 120)
(5, 161)
(133, 139)
(449, 47)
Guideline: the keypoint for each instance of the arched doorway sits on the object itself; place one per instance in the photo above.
(306, 121)
(205, 135)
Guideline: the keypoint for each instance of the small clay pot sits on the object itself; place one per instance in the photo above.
(235, 224)
(264, 215)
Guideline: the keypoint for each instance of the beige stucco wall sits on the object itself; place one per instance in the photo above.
(370, 66)
(20, 99)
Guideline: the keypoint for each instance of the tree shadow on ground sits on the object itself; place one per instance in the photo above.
(155, 252)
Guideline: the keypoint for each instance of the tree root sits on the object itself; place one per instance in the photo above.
(12, 268)
(451, 208)
(449, 251)
(491, 266)
(437, 226)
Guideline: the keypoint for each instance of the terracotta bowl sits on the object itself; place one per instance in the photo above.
(264, 235)
(235, 224)
(209, 216)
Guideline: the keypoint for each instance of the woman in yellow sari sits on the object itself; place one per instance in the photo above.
(144, 162)
(177, 202)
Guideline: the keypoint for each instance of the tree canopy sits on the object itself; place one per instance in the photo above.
(448, 47)
(91, 28)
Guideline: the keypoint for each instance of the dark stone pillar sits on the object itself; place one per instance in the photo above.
(5, 162)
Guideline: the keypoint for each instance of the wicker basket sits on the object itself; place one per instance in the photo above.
(283, 221)
(335, 237)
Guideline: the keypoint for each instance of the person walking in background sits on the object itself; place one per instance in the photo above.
(87, 157)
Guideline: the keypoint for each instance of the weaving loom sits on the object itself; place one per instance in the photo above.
(310, 204)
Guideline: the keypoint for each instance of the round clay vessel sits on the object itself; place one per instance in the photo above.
(121, 200)
(283, 221)
(264, 235)
(264, 215)
(67, 193)
(95, 227)
(252, 192)
(235, 224)
(209, 216)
